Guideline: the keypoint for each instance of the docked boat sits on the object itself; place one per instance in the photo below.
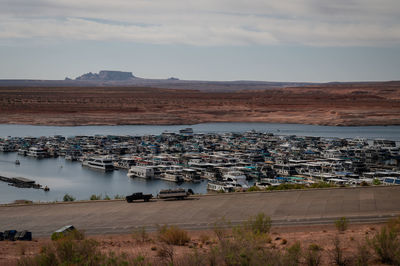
(141, 171)
(37, 152)
(124, 163)
(100, 163)
(172, 176)
(5, 147)
(23, 152)
(236, 179)
(220, 186)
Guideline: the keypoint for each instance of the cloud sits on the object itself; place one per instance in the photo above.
(207, 22)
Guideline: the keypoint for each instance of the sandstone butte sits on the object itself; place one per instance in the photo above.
(357, 104)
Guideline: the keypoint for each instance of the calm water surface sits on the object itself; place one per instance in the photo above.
(370, 132)
(70, 177)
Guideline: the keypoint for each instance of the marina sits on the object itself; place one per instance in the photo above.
(117, 165)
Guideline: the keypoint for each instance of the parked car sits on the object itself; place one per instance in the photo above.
(23, 236)
(10, 235)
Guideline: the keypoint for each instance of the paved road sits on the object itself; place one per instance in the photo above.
(368, 204)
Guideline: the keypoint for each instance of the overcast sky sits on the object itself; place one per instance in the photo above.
(290, 40)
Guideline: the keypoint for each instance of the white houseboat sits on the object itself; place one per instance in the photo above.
(37, 152)
(101, 163)
(220, 186)
(236, 178)
(141, 171)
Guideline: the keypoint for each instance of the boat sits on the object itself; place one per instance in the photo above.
(37, 152)
(177, 193)
(101, 163)
(23, 152)
(141, 171)
(172, 176)
(46, 188)
(236, 179)
(5, 147)
(220, 186)
(17, 162)
(124, 163)
(186, 131)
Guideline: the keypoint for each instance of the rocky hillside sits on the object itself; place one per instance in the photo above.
(106, 75)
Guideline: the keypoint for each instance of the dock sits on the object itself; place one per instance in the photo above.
(21, 182)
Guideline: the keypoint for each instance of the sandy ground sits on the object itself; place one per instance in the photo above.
(360, 104)
(322, 235)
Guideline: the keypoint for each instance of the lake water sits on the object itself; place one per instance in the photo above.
(63, 176)
(370, 132)
(70, 177)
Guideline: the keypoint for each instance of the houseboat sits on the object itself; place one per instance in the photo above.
(37, 152)
(141, 171)
(220, 186)
(100, 163)
(236, 179)
(172, 176)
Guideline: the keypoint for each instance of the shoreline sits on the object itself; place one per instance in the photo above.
(189, 123)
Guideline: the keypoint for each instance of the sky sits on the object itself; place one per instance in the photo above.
(290, 40)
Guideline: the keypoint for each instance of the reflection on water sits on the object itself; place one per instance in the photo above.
(70, 177)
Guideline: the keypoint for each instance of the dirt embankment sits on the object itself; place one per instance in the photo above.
(360, 104)
(281, 238)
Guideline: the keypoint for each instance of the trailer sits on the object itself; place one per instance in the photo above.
(178, 193)
(138, 196)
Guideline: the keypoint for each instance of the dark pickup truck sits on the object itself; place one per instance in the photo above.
(138, 196)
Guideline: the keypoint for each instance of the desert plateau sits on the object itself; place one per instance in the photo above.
(339, 104)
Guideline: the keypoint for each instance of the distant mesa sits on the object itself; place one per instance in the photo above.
(107, 75)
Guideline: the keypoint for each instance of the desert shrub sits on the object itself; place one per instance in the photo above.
(194, 258)
(173, 235)
(293, 255)
(337, 255)
(386, 245)
(119, 196)
(394, 224)
(22, 249)
(166, 253)
(259, 224)
(68, 197)
(95, 197)
(106, 197)
(286, 186)
(362, 255)
(204, 238)
(72, 235)
(254, 188)
(66, 252)
(140, 235)
(341, 224)
(376, 182)
(313, 255)
(221, 228)
(322, 185)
